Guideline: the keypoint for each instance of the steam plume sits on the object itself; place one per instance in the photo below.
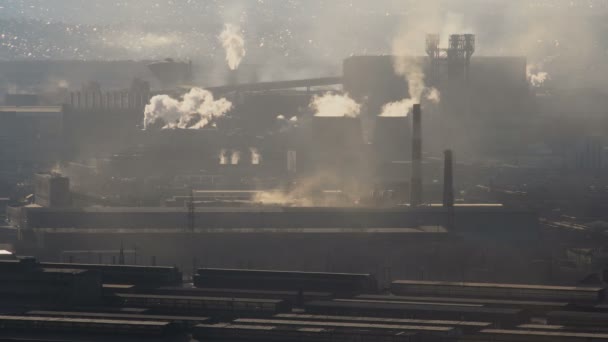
(404, 107)
(195, 110)
(234, 43)
(411, 70)
(536, 77)
(334, 105)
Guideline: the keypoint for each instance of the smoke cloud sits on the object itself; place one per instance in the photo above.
(234, 44)
(536, 77)
(335, 105)
(404, 107)
(195, 110)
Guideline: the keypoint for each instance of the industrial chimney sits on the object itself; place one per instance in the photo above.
(448, 180)
(416, 180)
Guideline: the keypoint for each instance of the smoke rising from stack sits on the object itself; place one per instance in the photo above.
(411, 70)
(403, 108)
(196, 110)
(335, 105)
(234, 44)
(536, 76)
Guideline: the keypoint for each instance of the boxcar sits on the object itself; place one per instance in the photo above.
(339, 283)
(501, 317)
(578, 318)
(504, 291)
(223, 306)
(497, 335)
(265, 333)
(85, 325)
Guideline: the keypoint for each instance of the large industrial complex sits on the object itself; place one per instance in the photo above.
(449, 195)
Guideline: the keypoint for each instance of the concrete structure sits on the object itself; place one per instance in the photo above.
(52, 190)
(31, 139)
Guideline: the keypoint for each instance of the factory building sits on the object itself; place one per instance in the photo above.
(32, 139)
(497, 95)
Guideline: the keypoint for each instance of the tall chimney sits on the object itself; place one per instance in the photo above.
(416, 181)
(448, 179)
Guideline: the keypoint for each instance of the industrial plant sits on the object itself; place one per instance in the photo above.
(271, 174)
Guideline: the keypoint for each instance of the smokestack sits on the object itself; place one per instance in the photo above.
(448, 179)
(416, 180)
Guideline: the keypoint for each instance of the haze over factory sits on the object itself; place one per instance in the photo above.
(303, 170)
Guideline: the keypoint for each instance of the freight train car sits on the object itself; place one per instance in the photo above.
(464, 326)
(504, 291)
(339, 283)
(143, 276)
(529, 305)
(429, 332)
(578, 318)
(266, 333)
(182, 321)
(498, 335)
(85, 326)
(296, 298)
(501, 317)
(213, 306)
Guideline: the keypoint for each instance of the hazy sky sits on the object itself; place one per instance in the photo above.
(563, 34)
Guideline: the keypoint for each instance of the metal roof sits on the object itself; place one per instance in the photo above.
(81, 320)
(241, 272)
(406, 321)
(236, 326)
(346, 325)
(413, 307)
(545, 333)
(484, 301)
(438, 303)
(112, 316)
(214, 299)
(242, 291)
(422, 231)
(31, 109)
(497, 285)
(580, 314)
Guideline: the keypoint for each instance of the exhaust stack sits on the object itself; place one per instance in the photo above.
(416, 180)
(448, 179)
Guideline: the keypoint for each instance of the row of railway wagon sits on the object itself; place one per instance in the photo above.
(255, 305)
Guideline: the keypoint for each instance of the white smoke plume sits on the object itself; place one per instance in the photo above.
(433, 95)
(195, 110)
(256, 157)
(536, 77)
(404, 107)
(335, 105)
(234, 43)
(411, 69)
